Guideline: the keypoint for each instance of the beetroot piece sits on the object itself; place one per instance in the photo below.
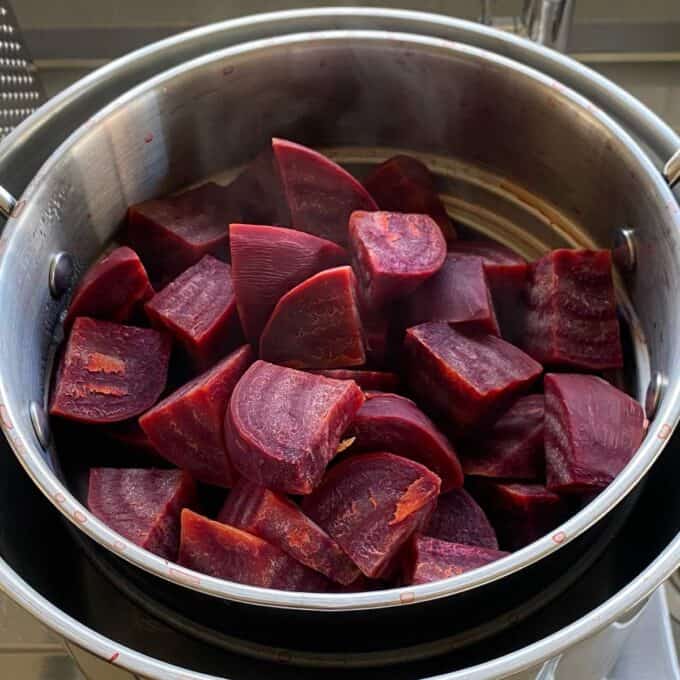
(404, 184)
(267, 262)
(371, 504)
(513, 447)
(394, 253)
(592, 430)
(278, 520)
(465, 375)
(430, 559)
(131, 435)
(142, 505)
(503, 266)
(571, 311)
(110, 372)
(226, 552)
(316, 324)
(389, 422)
(111, 289)
(367, 380)
(459, 519)
(186, 428)
(321, 195)
(199, 309)
(283, 426)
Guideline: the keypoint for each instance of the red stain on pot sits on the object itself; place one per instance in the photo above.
(113, 657)
(148, 138)
(559, 537)
(664, 432)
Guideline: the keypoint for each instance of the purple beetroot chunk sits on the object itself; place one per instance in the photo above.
(279, 521)
(371, 504)
(226, 552)
(187, 427)
(111, 289)
(367, 380)
(110, 372)
(283, 426)
(459, 519)
(142, 505)
(131, 435)
(321, 195)
(389, 422)
(394, 253)
(571, 311)
(404, 184)
(466, 376)
(592, 430)
(431, 559)
(266, 262)
(199, 309)
(316, 324)
(512, 448)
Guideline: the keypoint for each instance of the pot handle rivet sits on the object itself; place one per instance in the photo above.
(40, 422)
(655, 390)
(61, 273)
(671, 171)
(7, 202)
(623, 250)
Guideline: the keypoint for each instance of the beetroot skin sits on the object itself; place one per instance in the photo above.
(367, 380)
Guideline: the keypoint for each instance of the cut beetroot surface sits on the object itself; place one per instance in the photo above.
(321, 195)
(142, 505)
(571, 311)
(459, 519)
(226, 552)
(199, 309)
(370, 504)
(592, 430)
(110, 372)
(316, 324)
(394, 253)
(512, 448)
(367, 380)
(187, 428)
(267, 262)
(278, 520)
(465, 375)
(389, 422)
(283, 426)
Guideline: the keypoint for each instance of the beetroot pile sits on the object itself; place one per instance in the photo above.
(333, 356)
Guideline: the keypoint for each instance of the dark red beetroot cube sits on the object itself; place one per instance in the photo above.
(404, 184)
(592, 430)
(394, 253)
(371, 504)
(283, 426)
(512, 448)
(367, 380)
(131, 434)
(142, 505)
(360, 585)
(199, 309)
(430, 559)
(389, 422)
(110, 372)
(187, 428)
(459, 519)
(266, 262)
(571, 311)
(321, 195)
(226, 552)
(316, 324)
(278, 520)
(465, 375)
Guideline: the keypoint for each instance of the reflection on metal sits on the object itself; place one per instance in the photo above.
(671, 170)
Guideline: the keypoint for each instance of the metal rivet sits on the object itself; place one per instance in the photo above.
(41, 425)
(623, 249)
(61, 273)
(655, 390)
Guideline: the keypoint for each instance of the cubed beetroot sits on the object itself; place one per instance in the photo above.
(110, 372)
(465, 375)
(279, 521)
(266, 262)
(321, 195)
(389, 422)
(459, 519)
(226, 552)
(367, 380)
(283, 426)
(316, 324)
(131, 435)
(512, 448)
(142, 505)
(187, 427)
(199, 309)
(571, 311)
(371, 504)
(592, 430)
(394, 253)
